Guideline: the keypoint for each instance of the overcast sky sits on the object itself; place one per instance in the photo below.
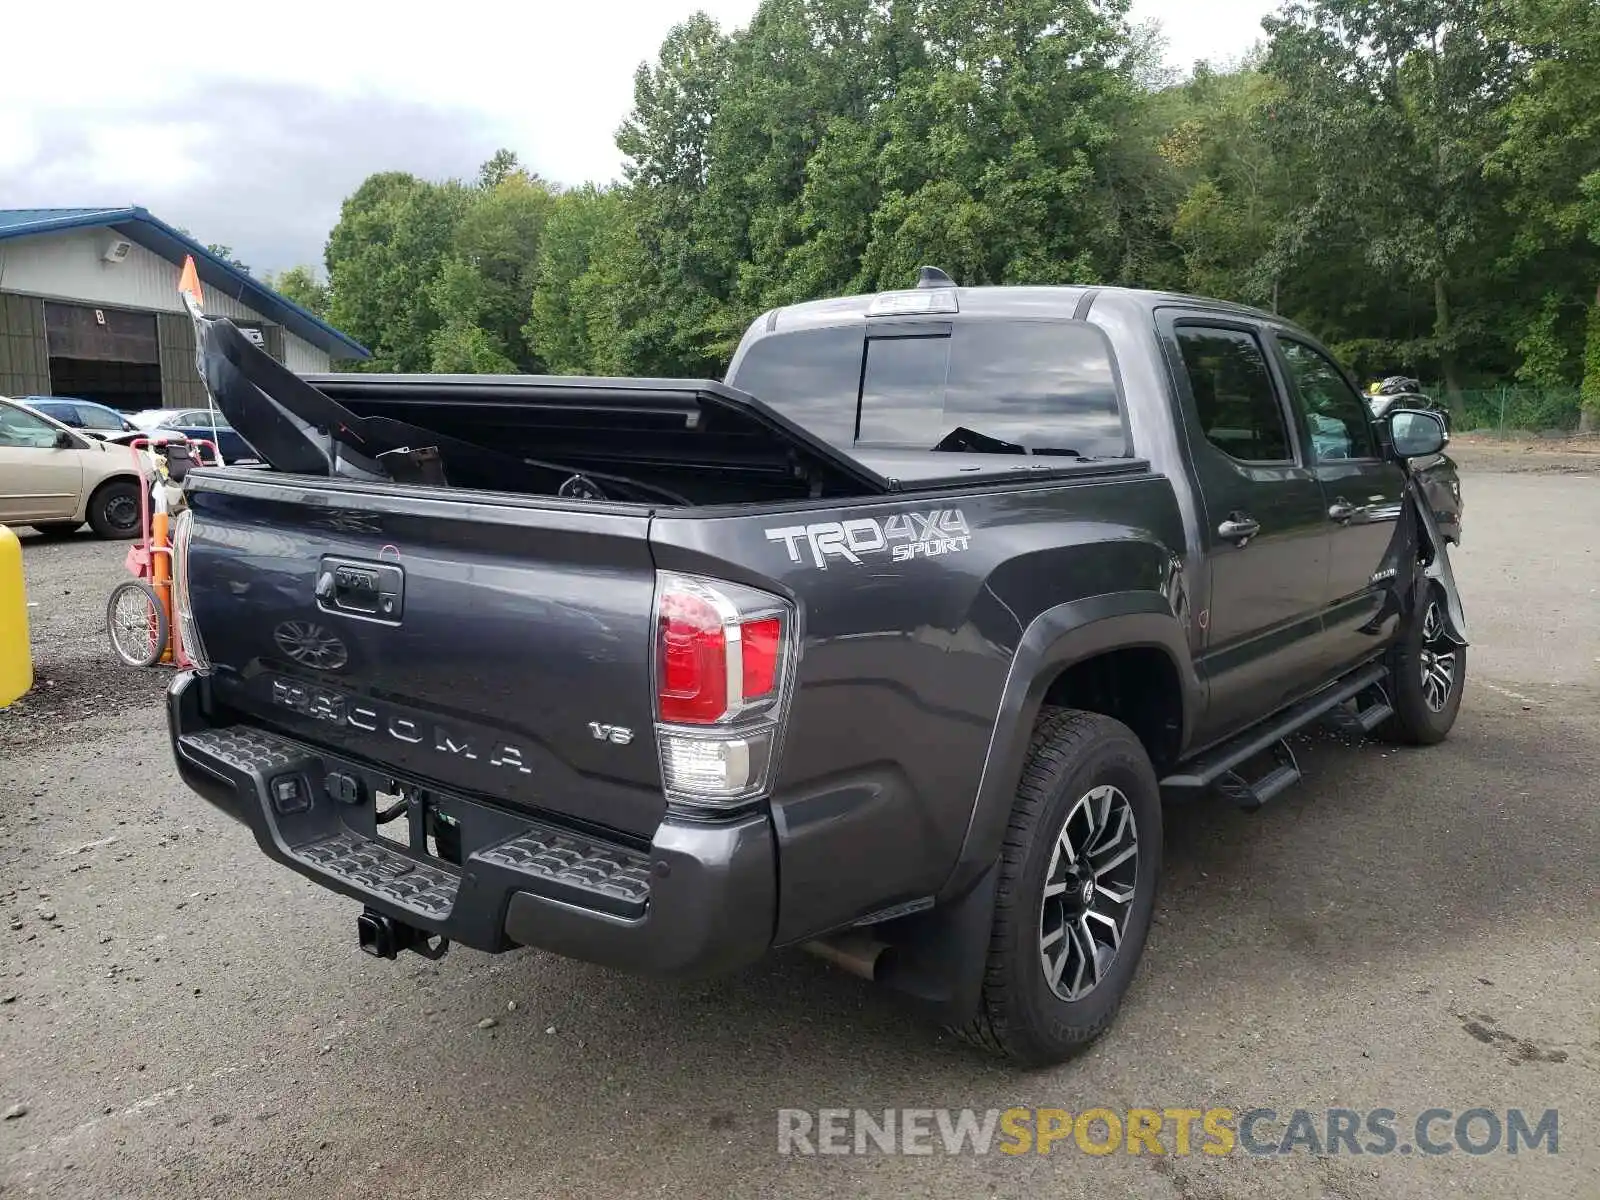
(248, 124)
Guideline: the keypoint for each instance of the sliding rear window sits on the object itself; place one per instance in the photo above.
(1044, 385)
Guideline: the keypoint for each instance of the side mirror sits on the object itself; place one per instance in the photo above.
(65, 441)
(1416, 434)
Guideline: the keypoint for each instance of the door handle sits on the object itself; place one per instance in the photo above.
(1341, 510)
(1238, 529)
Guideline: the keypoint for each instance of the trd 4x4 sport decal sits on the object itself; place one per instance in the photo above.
(903, 537)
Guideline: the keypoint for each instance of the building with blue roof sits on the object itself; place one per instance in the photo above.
(89, 308)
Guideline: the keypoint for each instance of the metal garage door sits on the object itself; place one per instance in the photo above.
(24, 364)
(180, 378)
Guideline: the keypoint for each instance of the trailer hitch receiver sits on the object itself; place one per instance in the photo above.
(381, 936)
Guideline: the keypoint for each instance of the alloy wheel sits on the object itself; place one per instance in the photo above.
(1438, 660)
(1088, 892)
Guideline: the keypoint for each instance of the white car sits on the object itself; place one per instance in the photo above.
(55, 479)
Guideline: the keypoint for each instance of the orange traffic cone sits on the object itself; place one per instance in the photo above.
(189, 281)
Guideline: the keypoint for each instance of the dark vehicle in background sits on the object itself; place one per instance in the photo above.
(86, 416)
(1398, 392)
(891, 645)
(195, 423)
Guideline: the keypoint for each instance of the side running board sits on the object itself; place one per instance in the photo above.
(1219, 767)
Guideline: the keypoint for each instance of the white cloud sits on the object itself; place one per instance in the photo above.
(100, 104)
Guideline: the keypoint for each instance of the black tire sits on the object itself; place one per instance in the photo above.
(1420, 719)
(1021, 1016)
(114, 510)
(137, 642)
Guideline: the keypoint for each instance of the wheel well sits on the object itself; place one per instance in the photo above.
(1138, 686)
(108, 481)
(111, 479)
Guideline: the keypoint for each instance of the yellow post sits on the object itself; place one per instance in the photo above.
(16, 658)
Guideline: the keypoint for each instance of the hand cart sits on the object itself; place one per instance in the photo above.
(139, 614)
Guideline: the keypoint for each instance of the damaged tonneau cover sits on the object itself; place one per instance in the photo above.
(398, 428)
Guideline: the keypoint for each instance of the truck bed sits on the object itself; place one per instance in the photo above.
(658, 442)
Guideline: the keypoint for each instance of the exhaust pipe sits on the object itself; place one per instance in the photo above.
(856, 950)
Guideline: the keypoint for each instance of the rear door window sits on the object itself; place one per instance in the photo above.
(1235, 401)
(67, 414)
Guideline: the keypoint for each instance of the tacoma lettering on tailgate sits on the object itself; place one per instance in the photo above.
(322, 704)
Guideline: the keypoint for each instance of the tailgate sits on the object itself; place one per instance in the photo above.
(467, 641)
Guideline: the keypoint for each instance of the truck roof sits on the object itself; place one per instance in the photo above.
(1049, 301)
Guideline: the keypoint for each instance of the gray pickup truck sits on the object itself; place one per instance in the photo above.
(891, 645)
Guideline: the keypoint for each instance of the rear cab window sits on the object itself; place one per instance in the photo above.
(975, 385)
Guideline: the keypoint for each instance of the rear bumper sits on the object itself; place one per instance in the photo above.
(701, 899)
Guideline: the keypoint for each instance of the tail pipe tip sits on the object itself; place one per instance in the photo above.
(855, 950)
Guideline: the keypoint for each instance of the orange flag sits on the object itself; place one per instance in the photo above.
(189, 281)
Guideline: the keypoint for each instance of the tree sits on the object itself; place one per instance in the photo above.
(500, 166)
(392, 237)
(1551, 155)
(579, 299)
(1388, 115)
(301, 286)
(1418, 181)
(1235, 192)
(225, 253)
(497, 243)
(682, 280)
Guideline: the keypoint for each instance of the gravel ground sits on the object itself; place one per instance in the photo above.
(181, 1018)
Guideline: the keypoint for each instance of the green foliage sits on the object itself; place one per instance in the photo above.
(225, 253)
(1591, 371)
(1544, 355)
(1417, 181)
(423, 273)
(580, 298)
(392, 238)
(300, 285)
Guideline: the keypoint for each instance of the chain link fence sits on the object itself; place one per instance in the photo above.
(1513, 408)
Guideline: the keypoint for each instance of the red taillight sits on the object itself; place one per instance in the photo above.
(762, 642)
(725, 654)
(715, 660)
(693, 649)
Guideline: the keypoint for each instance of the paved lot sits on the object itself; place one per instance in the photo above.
(1408, 930)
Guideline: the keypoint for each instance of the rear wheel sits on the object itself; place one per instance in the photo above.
(1428, 677)
(114, 509)
(137, 623)
(1078, 874)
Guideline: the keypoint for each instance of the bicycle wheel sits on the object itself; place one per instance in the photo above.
(137, 623)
